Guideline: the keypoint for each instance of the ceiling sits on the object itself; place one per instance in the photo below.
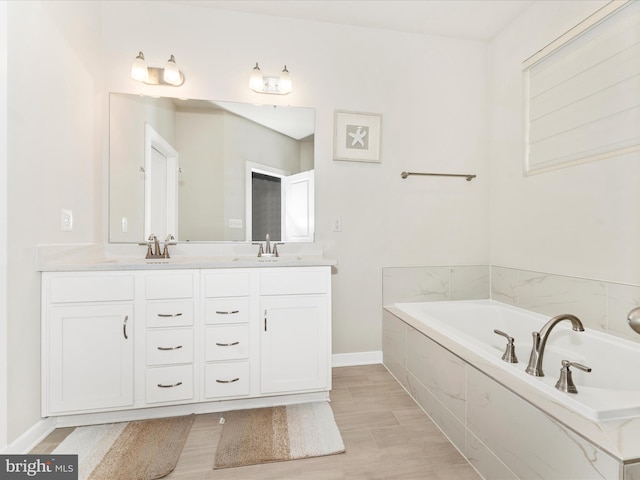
(469, 19)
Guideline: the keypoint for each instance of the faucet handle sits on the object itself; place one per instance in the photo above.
(565, 382)
(275, 248)
(510, 352)
(260, 250)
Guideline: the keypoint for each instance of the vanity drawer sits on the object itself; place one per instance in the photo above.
(226, 379)
(227, 283)
(169, 314)
(166, 347)
(294, 281)
(227, 343)
(172, 285)
(227, 310)
(91, 288)
(169, 384)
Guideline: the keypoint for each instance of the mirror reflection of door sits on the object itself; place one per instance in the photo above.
(158, 193)
(279, 203)
(298, 207)
(161, 186)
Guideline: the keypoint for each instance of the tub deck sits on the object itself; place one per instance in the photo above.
(604, 411)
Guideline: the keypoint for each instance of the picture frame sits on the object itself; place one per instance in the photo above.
(357, 136)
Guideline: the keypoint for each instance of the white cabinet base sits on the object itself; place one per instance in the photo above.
(115, 344)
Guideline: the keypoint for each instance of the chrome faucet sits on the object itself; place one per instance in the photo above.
(540, 341)
(153, 246)
(156, 246)
(267, 245)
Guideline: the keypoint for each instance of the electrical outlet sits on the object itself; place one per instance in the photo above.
(66, 220)
(125, 224)
(336, 225)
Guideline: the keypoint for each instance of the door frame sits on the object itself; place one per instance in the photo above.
(154, 141)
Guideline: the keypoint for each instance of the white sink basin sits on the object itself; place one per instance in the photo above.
(266, 259)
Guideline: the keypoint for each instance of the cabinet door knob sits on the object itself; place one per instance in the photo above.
(169, 348)
(232, 312)
(228, 381)
(160, 385)
(170, 315)
(227, 344)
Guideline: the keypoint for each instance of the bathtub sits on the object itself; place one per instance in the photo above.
(610, 391)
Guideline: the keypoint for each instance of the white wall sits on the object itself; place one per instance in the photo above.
(3, 223)
(579, 221)
(54, 145)
(431, 91)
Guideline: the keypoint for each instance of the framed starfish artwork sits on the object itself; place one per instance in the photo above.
(357, 136)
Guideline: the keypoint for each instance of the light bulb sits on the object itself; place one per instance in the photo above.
(171, 72)
(284, 84)
(139, 69)
(256, 82)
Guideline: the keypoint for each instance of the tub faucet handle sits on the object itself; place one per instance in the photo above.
(565, 382)
(510, 352)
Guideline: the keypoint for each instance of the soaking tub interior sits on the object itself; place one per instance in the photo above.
(507, 423)
(610, 391)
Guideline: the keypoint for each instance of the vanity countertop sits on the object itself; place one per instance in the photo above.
(183, 263)
(73, 258)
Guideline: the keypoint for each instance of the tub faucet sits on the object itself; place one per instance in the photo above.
(540, 341)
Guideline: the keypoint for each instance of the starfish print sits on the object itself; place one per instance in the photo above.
(357, 137)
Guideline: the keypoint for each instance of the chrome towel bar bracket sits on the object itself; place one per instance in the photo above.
(467, 176)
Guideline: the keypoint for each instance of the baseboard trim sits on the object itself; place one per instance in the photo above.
(357, 358)
(32, 437)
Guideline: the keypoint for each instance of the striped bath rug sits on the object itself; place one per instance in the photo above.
(275, 434)
(140, 450)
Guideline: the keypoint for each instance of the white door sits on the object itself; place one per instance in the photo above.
(91, 351)
(298, 207)
(161, 186)
(294, 344)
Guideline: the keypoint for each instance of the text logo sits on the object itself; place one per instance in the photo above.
(39, 467)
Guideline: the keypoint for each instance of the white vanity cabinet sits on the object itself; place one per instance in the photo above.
(295, 330)
(228, 349)
(170, 346)
(88, 342)
(192, 337)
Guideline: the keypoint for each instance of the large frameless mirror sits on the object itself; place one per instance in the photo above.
(208, 171)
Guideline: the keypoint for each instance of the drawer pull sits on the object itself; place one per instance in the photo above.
(160, 385)
(170, 315)
(228, 381)
(227, 344)
(164, 349)
(232, 312)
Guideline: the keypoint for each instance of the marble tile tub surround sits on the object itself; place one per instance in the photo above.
(600, 305)
(505, 428)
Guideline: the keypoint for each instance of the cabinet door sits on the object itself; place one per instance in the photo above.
(91, 357)
(294, 347)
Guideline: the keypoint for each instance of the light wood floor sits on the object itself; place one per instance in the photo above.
(386, 435)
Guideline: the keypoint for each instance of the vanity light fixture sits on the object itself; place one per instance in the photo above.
(270, 84)
(169, 75)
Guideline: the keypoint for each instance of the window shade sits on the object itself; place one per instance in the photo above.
(583, 98)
